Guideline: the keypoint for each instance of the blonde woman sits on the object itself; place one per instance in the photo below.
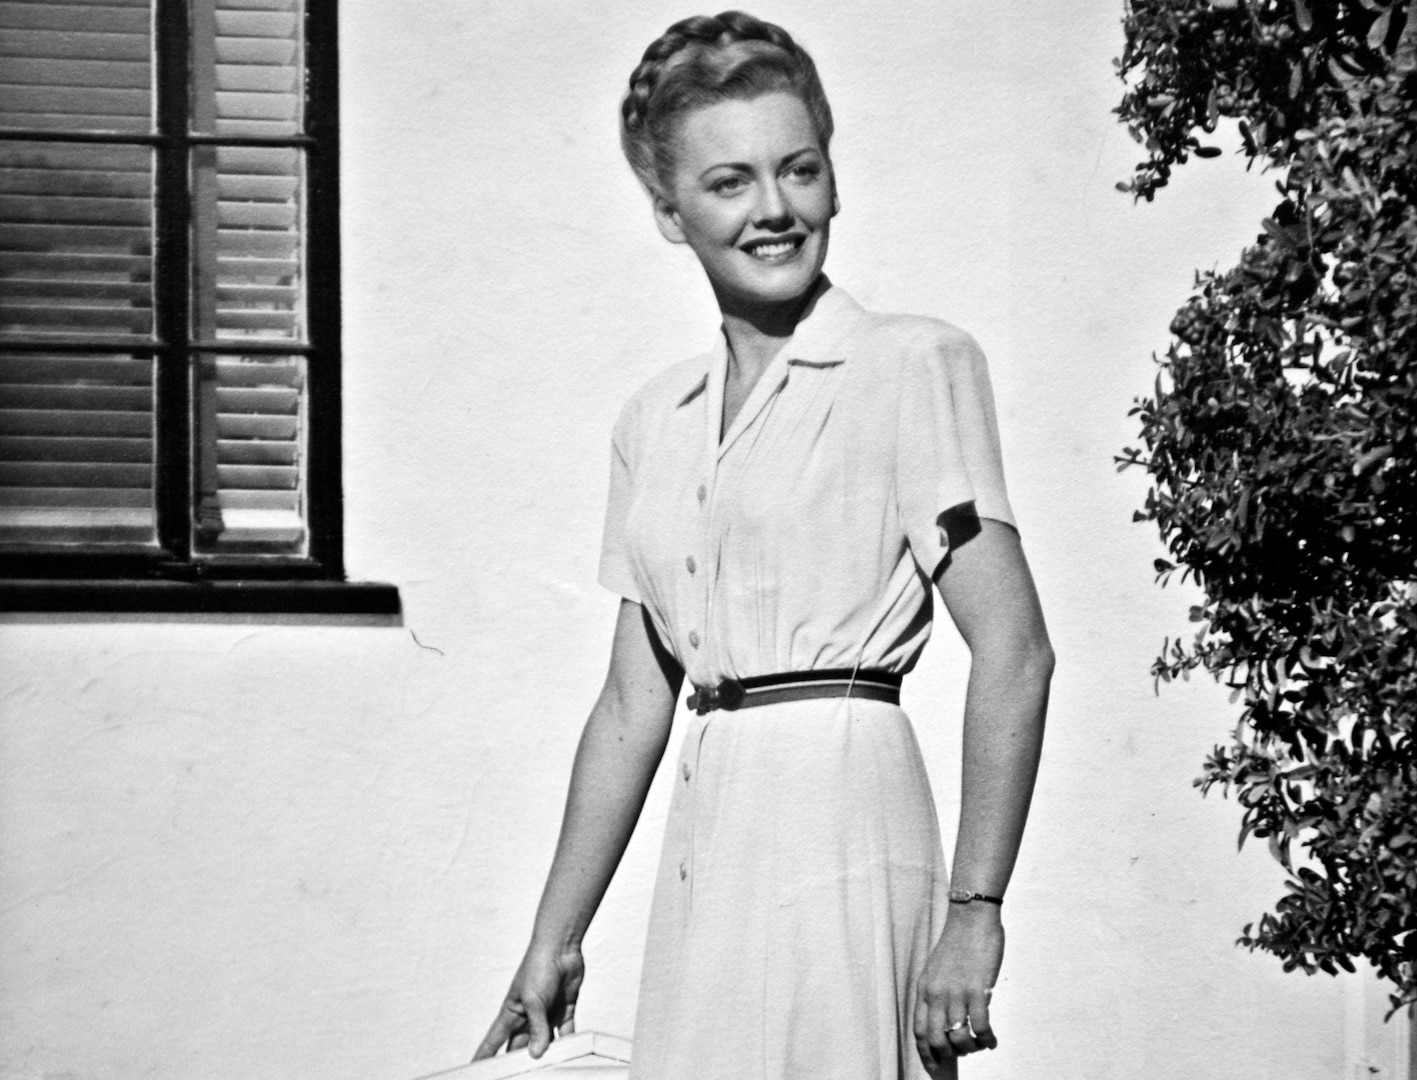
(782, 506)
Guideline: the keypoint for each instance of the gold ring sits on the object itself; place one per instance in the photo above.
(955, 1027)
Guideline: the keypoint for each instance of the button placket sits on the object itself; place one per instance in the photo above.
(691, 566)
(693, 748)
(705, 583)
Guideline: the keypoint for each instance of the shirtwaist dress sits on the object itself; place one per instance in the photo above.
(802, 882)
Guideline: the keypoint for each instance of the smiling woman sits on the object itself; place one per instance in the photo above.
(751, 193)
(780, 506)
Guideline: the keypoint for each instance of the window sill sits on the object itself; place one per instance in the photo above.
(249, 597)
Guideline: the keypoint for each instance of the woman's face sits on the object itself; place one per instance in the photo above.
(752, 194)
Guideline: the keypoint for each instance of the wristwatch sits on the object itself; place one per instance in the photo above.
(964, 896)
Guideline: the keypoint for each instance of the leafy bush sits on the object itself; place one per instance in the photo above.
(1281, 443)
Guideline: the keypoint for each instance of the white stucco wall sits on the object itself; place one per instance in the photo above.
(236, 850)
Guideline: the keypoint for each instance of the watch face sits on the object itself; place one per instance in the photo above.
(961, 896)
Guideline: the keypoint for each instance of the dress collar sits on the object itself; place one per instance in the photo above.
(817, 342)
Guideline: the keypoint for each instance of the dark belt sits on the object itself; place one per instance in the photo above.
(733, 694)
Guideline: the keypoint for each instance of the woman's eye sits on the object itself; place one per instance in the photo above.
(806, 172)
(727, 185)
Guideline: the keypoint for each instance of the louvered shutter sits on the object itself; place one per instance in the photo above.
(76, 261)
(77, 227)
(76, 450)
(248, 255)
(77, 65)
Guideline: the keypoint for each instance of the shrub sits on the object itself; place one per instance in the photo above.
(1281, 442)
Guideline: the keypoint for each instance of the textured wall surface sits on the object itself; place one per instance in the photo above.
(234, 850)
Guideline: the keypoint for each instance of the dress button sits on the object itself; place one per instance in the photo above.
(683, 871)
(703, 492)
(694, 638)
(687, 773)
(690, 564)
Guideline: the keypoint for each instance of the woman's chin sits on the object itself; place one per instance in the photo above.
(771, 285)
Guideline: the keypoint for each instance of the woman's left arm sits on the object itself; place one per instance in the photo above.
(986, 585)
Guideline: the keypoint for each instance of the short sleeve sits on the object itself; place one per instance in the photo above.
(947, 443)
(616, 569)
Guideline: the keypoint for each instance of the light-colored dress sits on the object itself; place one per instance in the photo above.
(802, 881)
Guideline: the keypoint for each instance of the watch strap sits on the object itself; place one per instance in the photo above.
(964, 896)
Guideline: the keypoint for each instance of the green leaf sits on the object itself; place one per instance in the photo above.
(1281, 446)
(1364, 462)
(1377, 33)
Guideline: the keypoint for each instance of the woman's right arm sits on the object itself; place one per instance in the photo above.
(620, 748)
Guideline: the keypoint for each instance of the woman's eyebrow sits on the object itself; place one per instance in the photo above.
(743, 166)
(801, 153)
(747, 167)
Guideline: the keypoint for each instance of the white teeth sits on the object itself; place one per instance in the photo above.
(768, 251)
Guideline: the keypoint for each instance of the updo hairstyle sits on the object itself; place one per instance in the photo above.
(703, 60)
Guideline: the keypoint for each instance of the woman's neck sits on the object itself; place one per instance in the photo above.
(757, 333)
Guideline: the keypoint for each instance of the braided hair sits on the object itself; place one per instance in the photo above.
(702, 60)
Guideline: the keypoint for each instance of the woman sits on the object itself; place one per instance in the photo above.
(779, 509)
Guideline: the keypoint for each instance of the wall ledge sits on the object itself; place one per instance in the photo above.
(244, 597)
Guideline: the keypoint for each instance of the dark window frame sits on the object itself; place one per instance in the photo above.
(170, 578)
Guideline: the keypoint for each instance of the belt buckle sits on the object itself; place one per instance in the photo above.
(727, 695)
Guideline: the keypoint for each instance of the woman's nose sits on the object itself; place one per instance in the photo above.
(772, 210)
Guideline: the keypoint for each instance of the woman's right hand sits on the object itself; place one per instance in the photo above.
(620, 749)
(541, 1001)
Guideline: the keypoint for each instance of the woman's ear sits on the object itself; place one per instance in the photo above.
(667, 218)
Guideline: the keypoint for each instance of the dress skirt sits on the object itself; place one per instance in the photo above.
(801, 887)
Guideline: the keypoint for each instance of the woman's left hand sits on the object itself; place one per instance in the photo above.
(952, 997)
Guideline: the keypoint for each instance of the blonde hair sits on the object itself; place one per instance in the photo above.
(703, 60)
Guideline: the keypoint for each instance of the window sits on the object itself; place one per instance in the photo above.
(169, 305)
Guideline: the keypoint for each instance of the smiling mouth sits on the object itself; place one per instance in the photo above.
(774, 250)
